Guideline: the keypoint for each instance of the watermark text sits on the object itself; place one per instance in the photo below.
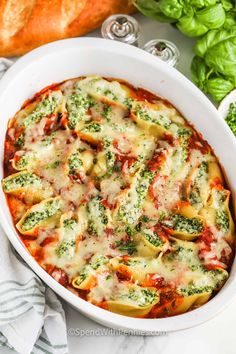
(108, 332)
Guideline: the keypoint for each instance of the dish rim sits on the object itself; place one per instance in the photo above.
(151, 326)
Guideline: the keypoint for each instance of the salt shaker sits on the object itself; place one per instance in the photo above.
(163, 49)
(122, 28)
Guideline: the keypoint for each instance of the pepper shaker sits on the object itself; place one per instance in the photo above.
(122, 28)
(163, 49)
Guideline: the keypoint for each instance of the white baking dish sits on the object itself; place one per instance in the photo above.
(74, 57)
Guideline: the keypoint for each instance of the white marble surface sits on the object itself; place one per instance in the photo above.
(214, 337)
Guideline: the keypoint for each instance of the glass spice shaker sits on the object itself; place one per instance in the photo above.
(122, 28)
(163, 49)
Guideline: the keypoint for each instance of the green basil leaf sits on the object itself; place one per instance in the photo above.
(150, 8)
(222, 57)
(212, 16)
(212, 38)
(227, 5)
(230, 20)
(199, 72)
(202, 3)
(191, 26)
(171, 8)
(219, 87)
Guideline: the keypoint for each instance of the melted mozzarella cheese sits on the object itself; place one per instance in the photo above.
(121, 165)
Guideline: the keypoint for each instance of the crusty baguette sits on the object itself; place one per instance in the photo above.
(26, 24)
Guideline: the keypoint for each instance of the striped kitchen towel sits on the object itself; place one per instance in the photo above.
(32, 319)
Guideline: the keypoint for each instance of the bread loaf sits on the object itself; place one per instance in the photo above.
(26, 24)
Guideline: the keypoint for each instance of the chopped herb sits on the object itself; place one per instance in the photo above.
(48, 139)
(66, 249)
(81, 149)
(22, 162)
(194, 267)
(69, 223)
(181, 249)
(116, 168)
(145, 218)
(138, 227)
(110, 95)
(128, 102)
(53, 165)
(92, 229)
(194, 196)
(221, 196)
(203, 169)
(162, 216)
(110, 160)
(101, 260)
(106, 142)
(184, 132)
(106, 112)
(75, 163)
(129, 230)
(132, 262)
(184, 151)
(127, 246)
(92, 128)
(88, 268)
(83, 274)
(19, 143)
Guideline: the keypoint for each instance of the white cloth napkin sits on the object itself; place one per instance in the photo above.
(32, 319)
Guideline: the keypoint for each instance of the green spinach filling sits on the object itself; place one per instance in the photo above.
(142, 297)
(130, 207)
(66, 249)
(22, 162)
(50, 208)
(127, 246)
(144, 114)
(92, 128)
(88, 268)
(43, 109)
(20, 181)
(77, 106)
(183, 224)
(75, 163)
(98, 218)
(222, 220)
(69, 224)
(152, 238)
